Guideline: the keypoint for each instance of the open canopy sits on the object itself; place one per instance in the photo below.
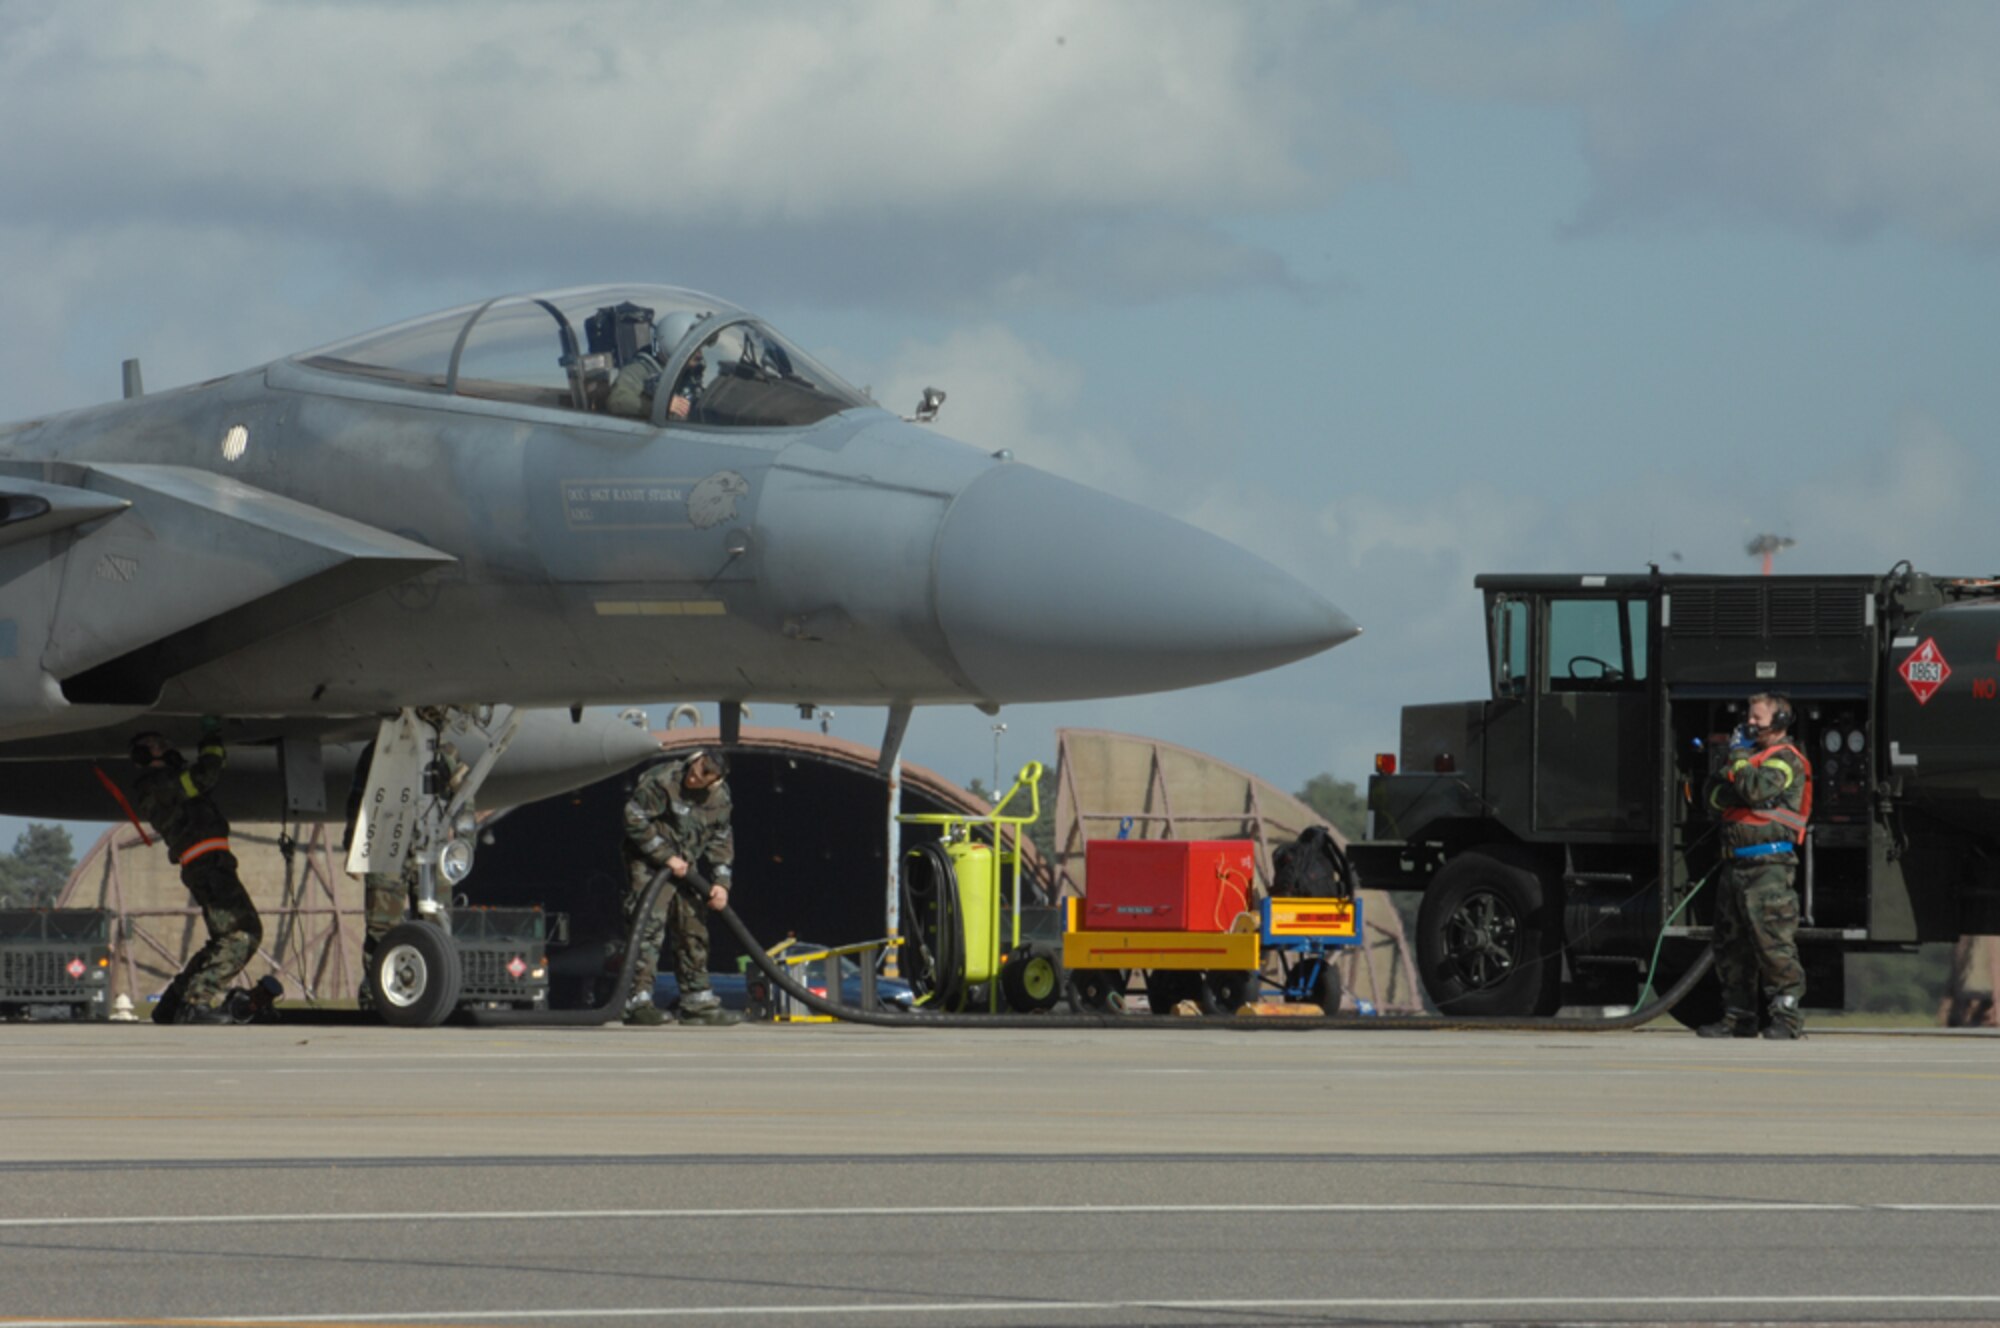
(605, 350)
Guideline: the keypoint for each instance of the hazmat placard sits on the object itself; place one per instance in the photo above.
(1925, 670)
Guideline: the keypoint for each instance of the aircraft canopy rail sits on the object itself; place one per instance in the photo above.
(565, 350)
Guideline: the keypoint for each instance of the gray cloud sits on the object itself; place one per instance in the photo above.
(927, 152)
(1838, 118)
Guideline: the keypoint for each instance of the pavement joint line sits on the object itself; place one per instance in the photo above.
(986, 1210)
(1016, 1306)
(1538, 1159)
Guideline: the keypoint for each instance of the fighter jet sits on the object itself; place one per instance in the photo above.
(564, 499)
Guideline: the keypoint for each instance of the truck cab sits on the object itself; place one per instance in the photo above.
(1557, 828)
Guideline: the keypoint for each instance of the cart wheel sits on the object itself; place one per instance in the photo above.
(1167, 988)
(1326, 987)
(1030, 980)
(1097, 990)
(1225, 991)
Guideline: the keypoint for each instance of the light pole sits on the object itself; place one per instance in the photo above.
(994, 793)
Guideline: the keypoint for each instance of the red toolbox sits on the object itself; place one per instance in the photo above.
(1166, 884)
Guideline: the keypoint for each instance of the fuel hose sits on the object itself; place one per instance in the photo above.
(924, 1019)
(613, 1004)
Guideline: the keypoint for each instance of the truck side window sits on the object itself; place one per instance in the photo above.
(1510, 647)
(1596, 645)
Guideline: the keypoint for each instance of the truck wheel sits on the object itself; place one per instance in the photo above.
(415, 976)
(1488, 939)
(1168, 987)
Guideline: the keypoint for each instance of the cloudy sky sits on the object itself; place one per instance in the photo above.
(1389, 294)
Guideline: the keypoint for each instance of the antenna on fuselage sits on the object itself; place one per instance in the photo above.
(134, 385)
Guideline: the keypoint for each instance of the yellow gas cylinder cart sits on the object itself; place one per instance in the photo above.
(961, 909)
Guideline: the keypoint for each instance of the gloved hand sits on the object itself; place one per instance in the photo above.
(1741, 741)
(211, 726)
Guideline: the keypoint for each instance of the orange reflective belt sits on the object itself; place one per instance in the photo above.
(202, 848)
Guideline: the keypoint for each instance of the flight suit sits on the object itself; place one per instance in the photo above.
(175, 799)
(1765, 798)
(664, 820)
(632, 390)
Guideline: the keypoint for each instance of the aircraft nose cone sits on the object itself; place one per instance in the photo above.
(1048, 591)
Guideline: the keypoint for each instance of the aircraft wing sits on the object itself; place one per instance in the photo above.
(173, 567)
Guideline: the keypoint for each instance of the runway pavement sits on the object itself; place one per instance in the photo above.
(838, 1175)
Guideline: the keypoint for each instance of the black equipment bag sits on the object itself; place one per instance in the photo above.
(1312, 867)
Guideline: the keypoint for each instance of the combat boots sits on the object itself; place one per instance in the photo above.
(1734, 1023)
(168, 1009)
(1786, 1023)
(644, 1014)
(704, 1007)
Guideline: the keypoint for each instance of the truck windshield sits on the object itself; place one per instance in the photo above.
(1596, 644)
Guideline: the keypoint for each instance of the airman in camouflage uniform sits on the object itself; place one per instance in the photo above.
(174, 797)
(678, 818)
(1764, 796)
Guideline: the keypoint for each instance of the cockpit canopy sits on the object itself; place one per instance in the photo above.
(605, 350)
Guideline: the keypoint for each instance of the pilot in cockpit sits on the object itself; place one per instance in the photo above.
(632, 392)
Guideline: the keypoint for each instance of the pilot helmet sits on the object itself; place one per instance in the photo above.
(671, 330)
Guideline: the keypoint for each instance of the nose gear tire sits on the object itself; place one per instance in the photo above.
(414, 976)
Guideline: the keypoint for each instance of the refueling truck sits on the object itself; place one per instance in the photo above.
(1557, 829)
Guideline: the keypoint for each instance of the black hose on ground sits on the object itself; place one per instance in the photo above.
(613, 1005)
(1276, 1023)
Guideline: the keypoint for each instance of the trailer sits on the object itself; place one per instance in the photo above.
(1182, 915)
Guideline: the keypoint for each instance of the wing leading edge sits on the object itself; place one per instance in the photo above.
(136, 573)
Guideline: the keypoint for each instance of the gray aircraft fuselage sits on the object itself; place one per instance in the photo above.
(306, 545)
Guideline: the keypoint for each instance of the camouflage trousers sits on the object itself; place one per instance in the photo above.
(1756, 921)
(234, 929)
(677, 919)
(388, 900)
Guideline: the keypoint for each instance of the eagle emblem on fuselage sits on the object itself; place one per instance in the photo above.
(713, 501)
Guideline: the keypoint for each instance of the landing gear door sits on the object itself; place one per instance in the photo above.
(1594, 762)
(387, 824)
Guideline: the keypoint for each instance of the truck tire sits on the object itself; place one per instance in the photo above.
(414, 976)
(1489, 938)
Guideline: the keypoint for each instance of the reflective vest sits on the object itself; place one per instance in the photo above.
(1793, 821)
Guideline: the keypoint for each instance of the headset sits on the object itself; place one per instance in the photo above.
(1782, 717)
